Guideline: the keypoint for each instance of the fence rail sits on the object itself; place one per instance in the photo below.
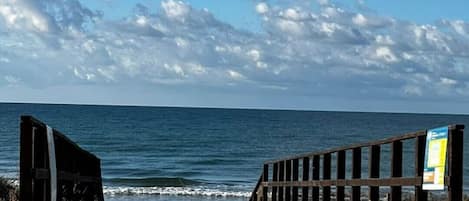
(53, 168)
(299, 177)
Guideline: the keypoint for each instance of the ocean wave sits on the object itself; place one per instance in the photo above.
(152, 182)
(174, 191)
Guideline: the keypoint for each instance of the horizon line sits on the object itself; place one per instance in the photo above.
(229, 108)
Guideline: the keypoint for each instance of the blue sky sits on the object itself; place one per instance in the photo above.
(393, 56)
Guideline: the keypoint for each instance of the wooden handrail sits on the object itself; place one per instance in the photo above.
(75, 171)
(286, 185)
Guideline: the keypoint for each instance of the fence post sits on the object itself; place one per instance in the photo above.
(26, 159)
(356, 172)
(304, 193)
(281, 177)
(288, 178)
(455, 165)
(316, 171)
(340, 174)
(420, 141)
(326, 190)
(373, 168)
(296, 164)
(274, 178)
(396, 169)
(265, 178)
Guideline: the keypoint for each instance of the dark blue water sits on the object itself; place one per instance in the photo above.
(160, 153)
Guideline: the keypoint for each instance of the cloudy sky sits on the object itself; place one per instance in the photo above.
(364, 55)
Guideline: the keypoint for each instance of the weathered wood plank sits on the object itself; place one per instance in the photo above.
(281, 178)
(455, 163)
(326, 190)
(288, 174)
(26, 159)
(305, 190)
(396, 169)
(316, 173)
(350, 147)
(265, 178)
(420, 141)
(373, 167)
(274, 178)
(295, 173)
(356, 172)
(340, 175)
(376, 182)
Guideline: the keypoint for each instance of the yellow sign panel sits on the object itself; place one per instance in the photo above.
(435, 159)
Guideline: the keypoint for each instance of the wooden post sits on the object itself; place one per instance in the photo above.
(455, 163)
(396, 169)
(100, 184)
(304, 193)
(274, 178)
(255, 193)
(340, 174)
(41, 160)
(296, 164)
(265, 178)
(316, 173)
(373, 168)
(420, 195)
(326, 190)
(356, 172)
(281, 174)
(288, 178)
(26, 159)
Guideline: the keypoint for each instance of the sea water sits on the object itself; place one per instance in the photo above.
(175, 154)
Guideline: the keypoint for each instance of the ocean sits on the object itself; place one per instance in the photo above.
(175, 154)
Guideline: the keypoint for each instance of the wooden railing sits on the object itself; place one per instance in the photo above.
(53, 168)
(285, 184)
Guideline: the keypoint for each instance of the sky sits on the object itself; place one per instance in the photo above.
(363, 55)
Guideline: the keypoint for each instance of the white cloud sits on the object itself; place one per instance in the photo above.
(386, 54)
(254, 54)
(323, 2)
(299, 51)
(448, 81)
(175, 9)
(141, 20)
(17, 14)
(359, 20)
(384, 40)
(290, 27)
(262, 8)
(12, 80)
(82, 74)
(235, 75)
(4, 60)
(294, 14)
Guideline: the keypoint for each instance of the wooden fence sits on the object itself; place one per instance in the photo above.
(281, 180)
(53, 168)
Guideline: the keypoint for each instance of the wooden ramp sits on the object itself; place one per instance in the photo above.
(308, 176)
(53, 168)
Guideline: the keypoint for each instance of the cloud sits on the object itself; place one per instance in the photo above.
(262, 8)
(175, 9)
(328, 52)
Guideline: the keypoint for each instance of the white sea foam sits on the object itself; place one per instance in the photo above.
(176, 191)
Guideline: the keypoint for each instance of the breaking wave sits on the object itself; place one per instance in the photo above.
(175, 191)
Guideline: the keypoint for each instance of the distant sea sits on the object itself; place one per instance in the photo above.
(176, 154)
